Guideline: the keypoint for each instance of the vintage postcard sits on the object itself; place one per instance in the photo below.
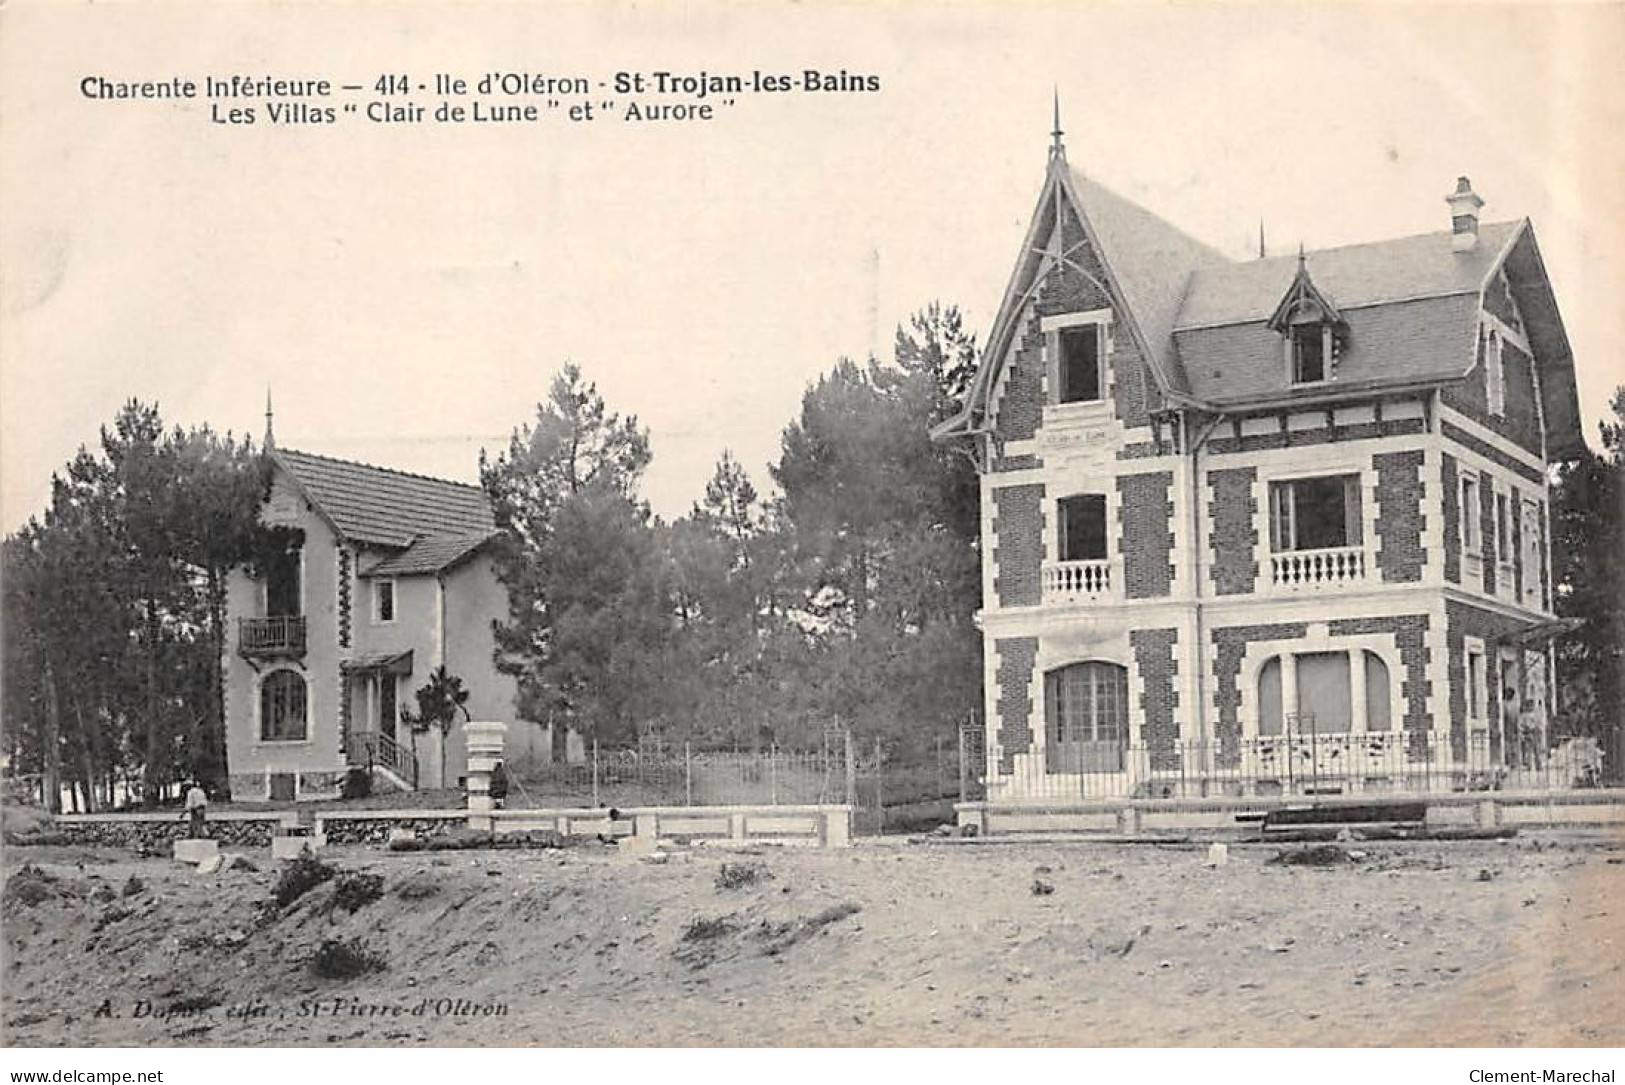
(781, 525)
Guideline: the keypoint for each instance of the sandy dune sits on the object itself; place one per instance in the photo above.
(1483, 943)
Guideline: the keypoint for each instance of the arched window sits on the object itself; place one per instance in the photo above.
(1378, 710)
(282, 708)
(1086, 714)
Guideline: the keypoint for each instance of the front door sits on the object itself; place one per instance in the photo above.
(389, 720)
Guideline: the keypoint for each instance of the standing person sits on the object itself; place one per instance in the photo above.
(197, 804)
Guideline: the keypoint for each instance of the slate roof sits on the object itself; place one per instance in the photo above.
(1403, 269)
(1398, 343)
(431, 554)
(1410, 304)
(1152, 260)
(388, 508)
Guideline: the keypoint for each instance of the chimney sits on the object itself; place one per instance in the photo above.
(1464, 204)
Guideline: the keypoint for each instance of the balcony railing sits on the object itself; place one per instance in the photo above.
(280, 636)
(1077, 580)
(1314, 570)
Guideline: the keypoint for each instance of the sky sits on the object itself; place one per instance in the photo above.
(406, 292)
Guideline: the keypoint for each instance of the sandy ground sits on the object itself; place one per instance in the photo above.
(1482, 943)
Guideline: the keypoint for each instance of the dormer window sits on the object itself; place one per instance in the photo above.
(1312, 330)
(1311, 346)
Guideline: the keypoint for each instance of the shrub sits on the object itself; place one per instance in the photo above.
(704, 930)
(356, 890)
(357, 784)
(740, 875)
(300, 877)
(336, 960)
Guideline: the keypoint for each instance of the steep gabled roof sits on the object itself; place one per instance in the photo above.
(431, 554)
(388, 508)
(1152, 261)
(1147, 260)
(1409, 305)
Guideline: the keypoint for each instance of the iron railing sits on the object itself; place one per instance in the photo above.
(280, 636)
(1294, 763)
(365, 749)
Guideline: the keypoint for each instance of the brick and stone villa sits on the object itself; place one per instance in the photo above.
(1265, 527)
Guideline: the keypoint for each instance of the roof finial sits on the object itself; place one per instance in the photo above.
(270, 438)
(1300, 256)
(1261, 238)
(1057, 149)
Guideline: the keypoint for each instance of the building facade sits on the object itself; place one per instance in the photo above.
(1272, 526)
(375, 579)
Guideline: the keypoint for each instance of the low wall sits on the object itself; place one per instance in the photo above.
(242, 829)
(816, 825)
(373, 826)
(1479, 809)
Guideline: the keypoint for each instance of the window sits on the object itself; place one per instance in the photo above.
(1503, 530)
(1082, 527)
(1309, 353)
(1080, 364)
(1475, 682)
(1315, 513)
(1495, 379)
(282, 707)
(1469, 514)
(388, 715)
(283, 597)
(1531, 553)
(1086, 713)
(383, 600)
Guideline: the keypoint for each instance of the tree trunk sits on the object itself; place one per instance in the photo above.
(558, 738)
(87, 757)
(151, 778)
(52, 746)
(218, 770)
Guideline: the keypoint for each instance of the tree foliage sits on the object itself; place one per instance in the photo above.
(115, 609)
(1588, 577)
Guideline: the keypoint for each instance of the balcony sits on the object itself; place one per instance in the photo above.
(1318, 570)
(1077, 581)
(268, 638)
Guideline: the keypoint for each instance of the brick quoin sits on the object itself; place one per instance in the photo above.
(1154, 660)
(1545, 582)
(1021, 406)
(1015, 707)
(1410, 637)
(1450, 490)
(1018, 551)
(1232, 536)
(1486, 530)
(1147, 540)
(1400, 520)
(1515, 511)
